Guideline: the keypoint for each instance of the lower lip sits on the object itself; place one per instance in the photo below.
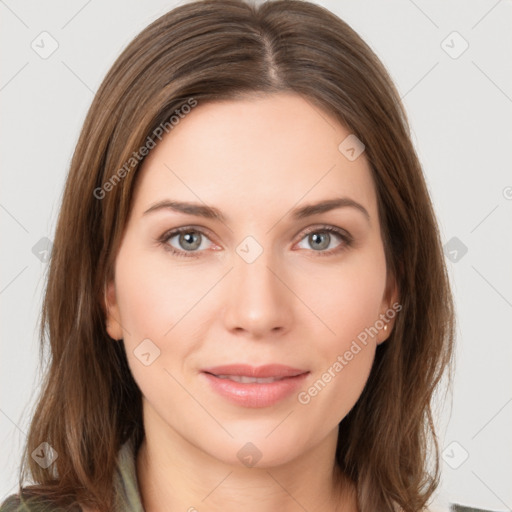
(255, 395)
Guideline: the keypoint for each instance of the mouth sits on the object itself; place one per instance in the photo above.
(245, 370)
(242, 379)
(255, 373)
(250, 386)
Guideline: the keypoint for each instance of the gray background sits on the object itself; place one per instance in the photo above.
(459, 104)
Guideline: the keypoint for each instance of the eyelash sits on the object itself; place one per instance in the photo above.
(347, 240)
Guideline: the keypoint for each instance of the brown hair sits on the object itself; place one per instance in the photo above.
(220, 50)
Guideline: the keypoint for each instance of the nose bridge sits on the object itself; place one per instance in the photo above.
(258, 299)
(252, 267)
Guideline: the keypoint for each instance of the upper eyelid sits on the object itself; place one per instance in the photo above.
(326, 227)
(170, 233)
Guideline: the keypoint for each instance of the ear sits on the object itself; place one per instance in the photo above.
(113, 317)
(389, 308)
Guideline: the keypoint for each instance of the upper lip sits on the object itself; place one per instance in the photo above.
(268, 370)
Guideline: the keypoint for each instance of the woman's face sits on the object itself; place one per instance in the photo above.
(258, 284)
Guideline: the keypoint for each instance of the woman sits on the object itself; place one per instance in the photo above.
(284, 360)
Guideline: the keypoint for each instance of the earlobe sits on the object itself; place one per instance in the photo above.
(389, 309)
(113, 324)
(384, 334)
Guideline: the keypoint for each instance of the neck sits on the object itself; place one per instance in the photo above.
(173, 474)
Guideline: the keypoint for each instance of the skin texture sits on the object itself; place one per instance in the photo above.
(255, 160)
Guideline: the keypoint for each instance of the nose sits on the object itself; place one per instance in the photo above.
(259, 303)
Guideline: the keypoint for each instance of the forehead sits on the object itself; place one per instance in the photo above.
(254, 153)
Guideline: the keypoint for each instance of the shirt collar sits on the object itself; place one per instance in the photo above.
(126, 488)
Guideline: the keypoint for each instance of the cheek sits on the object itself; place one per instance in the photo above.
(349, 304)
(347, 297)
(150, 304)
(152, 295)
(334, 391)
(160, 302)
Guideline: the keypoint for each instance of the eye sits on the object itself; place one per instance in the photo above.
(189, 240)
(321, 237)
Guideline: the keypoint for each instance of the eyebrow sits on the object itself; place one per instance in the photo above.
(302, 212)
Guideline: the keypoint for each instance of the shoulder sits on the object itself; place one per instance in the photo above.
(14, 503)
(11, 504)
(30, 503)
(454, 507)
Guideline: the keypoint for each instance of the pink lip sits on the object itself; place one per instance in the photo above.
(255, 394)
